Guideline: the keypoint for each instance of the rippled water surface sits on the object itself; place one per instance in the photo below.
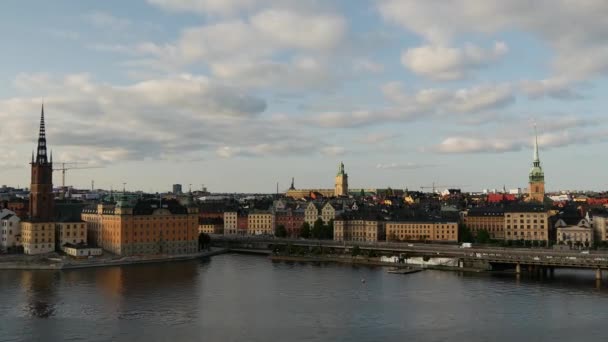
(249, 298)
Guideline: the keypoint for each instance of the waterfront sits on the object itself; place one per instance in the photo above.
(242, 297)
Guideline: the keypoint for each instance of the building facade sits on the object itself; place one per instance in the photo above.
(421, 230)
(261, 223)
(145, 227)
(211, 226)
(358, 229)
(578, 235)
(527, 223)
(10, 230)
(230, 223)
(74, 233)
(291, 219)
(491, 219)
(600, 227)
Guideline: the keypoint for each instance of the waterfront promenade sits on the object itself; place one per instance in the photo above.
(52, 263)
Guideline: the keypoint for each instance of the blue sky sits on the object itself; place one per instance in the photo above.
(241, 94)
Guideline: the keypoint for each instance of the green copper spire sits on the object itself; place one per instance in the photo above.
(536, 172)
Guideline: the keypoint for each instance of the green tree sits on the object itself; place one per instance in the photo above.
(464, 234)
(328, 230)
(483, 236)
(305, 231)
(356, 251)
(204, 241)
(317, 229)
(362, 193)
(281, 231)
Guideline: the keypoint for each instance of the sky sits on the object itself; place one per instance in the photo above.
(241, 94)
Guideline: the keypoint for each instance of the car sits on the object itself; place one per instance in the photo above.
(410, 245)
(584, 252)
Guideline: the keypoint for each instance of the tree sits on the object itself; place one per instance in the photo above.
(281, 231)
(362, 193)
(204, 241)
(464, 234)
(317, 229)
(328, 230)
(356, 251)
(483, 236)
(305, 231)
(392, 237)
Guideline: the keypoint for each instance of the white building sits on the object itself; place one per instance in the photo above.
(10, 230)
(582, 233)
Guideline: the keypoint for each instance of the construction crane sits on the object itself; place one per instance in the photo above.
(65, 168)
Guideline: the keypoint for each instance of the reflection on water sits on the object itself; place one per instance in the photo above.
(235, 297)
(39, 291)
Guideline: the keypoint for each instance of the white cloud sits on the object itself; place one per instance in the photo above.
(403, 166)
(579, 47)
(558, 88)
(205, 6)
(447, 63)
(291, 29)
(333, 151)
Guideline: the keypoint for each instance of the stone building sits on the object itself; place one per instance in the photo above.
(10, 230)
(230, 223)
(261, 222)
(491, 219)
(38, 230)
(527, 223)
(359, 226)
(144, 227)
(422, 230)
(580, 234)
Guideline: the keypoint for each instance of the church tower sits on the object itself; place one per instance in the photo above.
(41, 187)
(341, 188)
(537, 176)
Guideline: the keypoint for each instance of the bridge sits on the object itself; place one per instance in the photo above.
(534, 259)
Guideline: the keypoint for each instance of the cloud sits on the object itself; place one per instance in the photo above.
(205, 6)
(580, 47)
(377, 138)
(557, 88)
(556, 132)
(107, 21)
(367, 65)
(333, 151)
(446, 63)
(403, 166)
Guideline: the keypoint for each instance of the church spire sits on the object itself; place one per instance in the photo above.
(41, 152)
(536, 158)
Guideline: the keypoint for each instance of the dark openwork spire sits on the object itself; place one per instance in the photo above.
(41, 157)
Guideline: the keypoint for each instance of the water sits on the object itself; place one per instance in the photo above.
(249, 298)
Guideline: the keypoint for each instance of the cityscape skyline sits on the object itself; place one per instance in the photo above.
(401, 102)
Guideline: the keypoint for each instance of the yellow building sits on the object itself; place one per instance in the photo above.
(211, 226)
(260, 223)
(527, 223)
(358, 228)
(491, 219)
(70, 233)
(145, 227)
(422, 231)
(38, 237)
(230, 223)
